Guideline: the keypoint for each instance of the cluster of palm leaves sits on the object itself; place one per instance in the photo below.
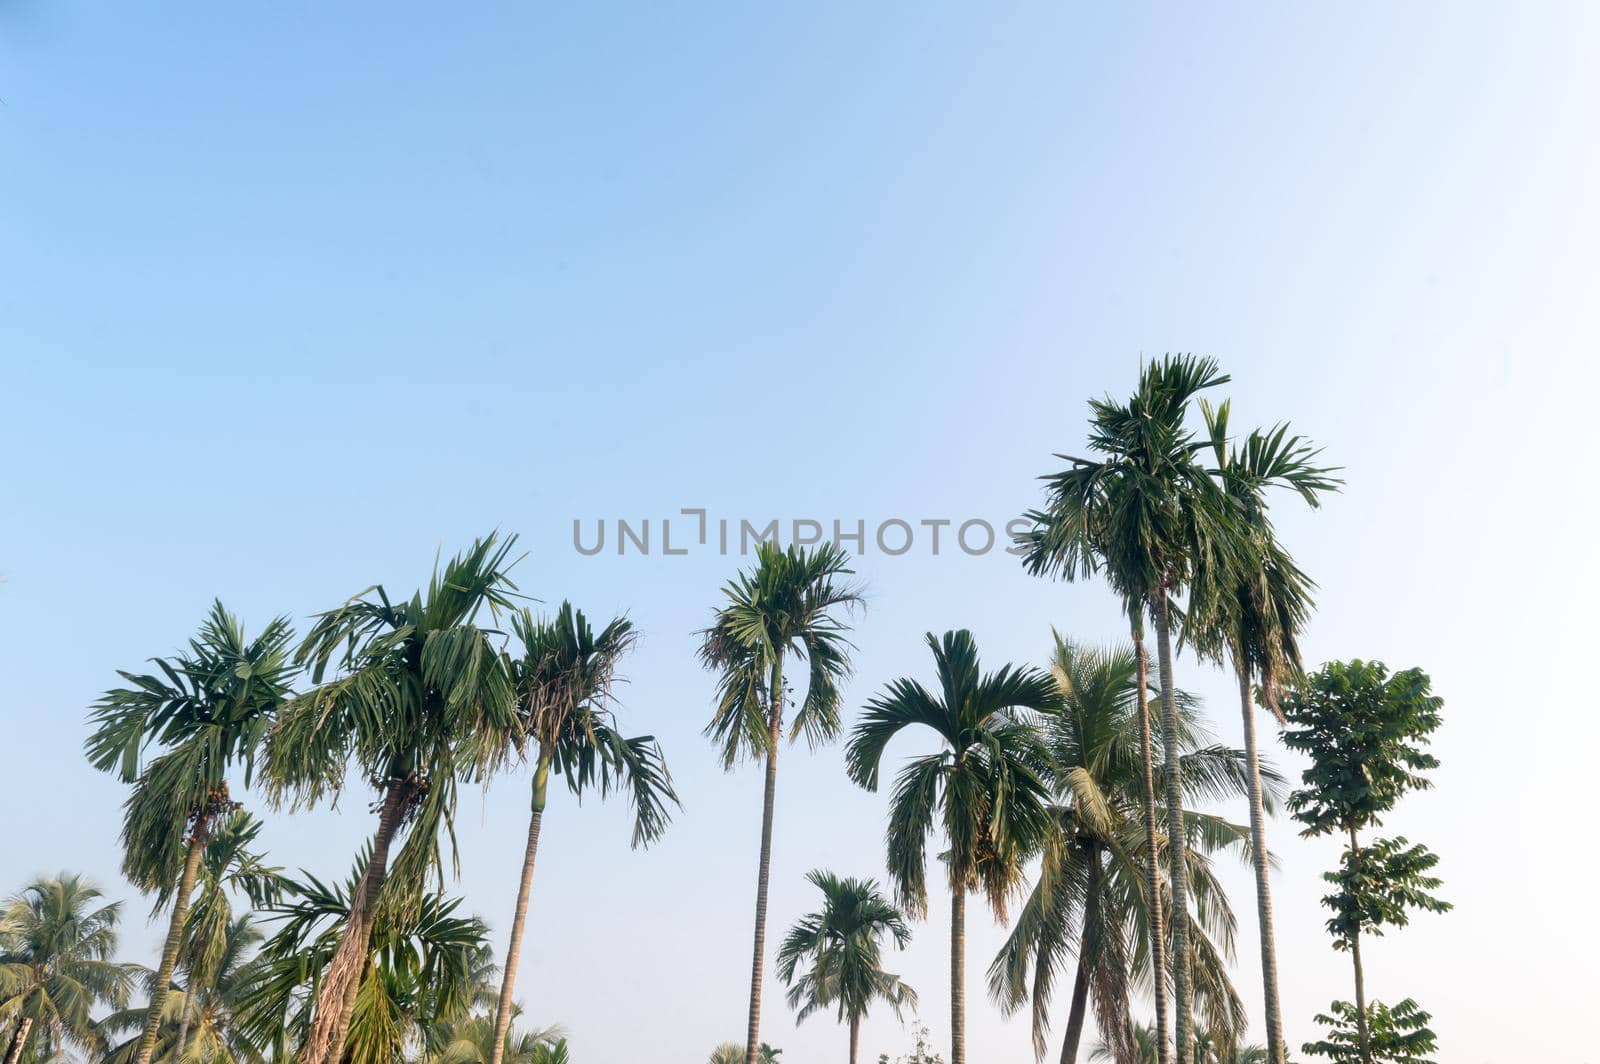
(1071, 793)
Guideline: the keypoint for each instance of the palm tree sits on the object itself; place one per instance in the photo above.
(1207, 1050)
(983, 785)
(734, 1053)
(1254, 614)
(425, 970)
(472, 1042)
(1091, 900)
(198, 1022)
(1151, 518)
(785, 608)
(56, 943)
(834, 957)
(564, 681)
(207, 711)
(421, 700)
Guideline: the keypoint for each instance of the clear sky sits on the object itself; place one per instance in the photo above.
(292, 295)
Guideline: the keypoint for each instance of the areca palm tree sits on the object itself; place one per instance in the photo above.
(563, 680)
(57, 938)
(425, 969)
(1253, 614)
(205, 712)
(420, 699)
(1091, 902)
(834, 957)
(197, 1023)
(982, 786)
(786, 609)
(1148, 515)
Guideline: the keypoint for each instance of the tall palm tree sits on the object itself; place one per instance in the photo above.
(425, 969)
(57, 938)
(983, 785)
(206, 712)
(564, 679)
(1147, 514)
(1091, 901)
(198, 1022)
(834, 957)
(784, 609)
(1254, 614)
(420, 700)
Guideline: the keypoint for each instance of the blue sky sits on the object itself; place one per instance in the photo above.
(291, 297)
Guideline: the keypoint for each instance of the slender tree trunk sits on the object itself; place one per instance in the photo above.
(183, 1021)
(958, 976)
(508, 982)
(855, 1038)
(1276, 1051)
(1177, 863)
(1158, 930)
(169, 951)
(774, 736)
(19, 1040)
(1080, 1007)
(336, 997)
(1362, 1032)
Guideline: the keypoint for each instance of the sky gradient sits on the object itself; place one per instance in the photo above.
(292, 297)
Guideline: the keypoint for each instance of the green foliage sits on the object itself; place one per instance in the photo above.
(1365, 732)
(983, 787)
(1399, 1035)
(204, 710)
(784, 608)
(57, 939)
(733, 1053)
(922, 1051)
(834, 957)
(1377, 884)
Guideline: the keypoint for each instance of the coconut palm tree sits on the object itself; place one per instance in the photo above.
(471, 1041)
(1147, 514)
(1091, 901)
(983, 786)
(420, 699)
(1253, 614)
(834, 957)
(425, 969)
(784, 610)
(563, 679)
(57, 938)
(197, 1023)
(205, 712)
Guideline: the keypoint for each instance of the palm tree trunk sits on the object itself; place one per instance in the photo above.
(1080, 1007)
(774, 735)
(1364, 1035)
(1276, 1052)
(169, 951)
(183, 1022)
(855, 1038)
(1158, 930)
(19, 1040)
(337, 996)
(958, 976)
(1177, 862)
(502, 1016)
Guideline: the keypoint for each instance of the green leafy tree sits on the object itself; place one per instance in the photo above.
(205, 712)
(1366, 733)
(1253, 614)
(425, 970)
(420, 699)
(833, 958)
(1395, 1036)
(982, 787)
(1090, 906)
(471, 1041)
(57, 938)
(1148, 515)
(785, 610)
(564, 680)
(197, 1022)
